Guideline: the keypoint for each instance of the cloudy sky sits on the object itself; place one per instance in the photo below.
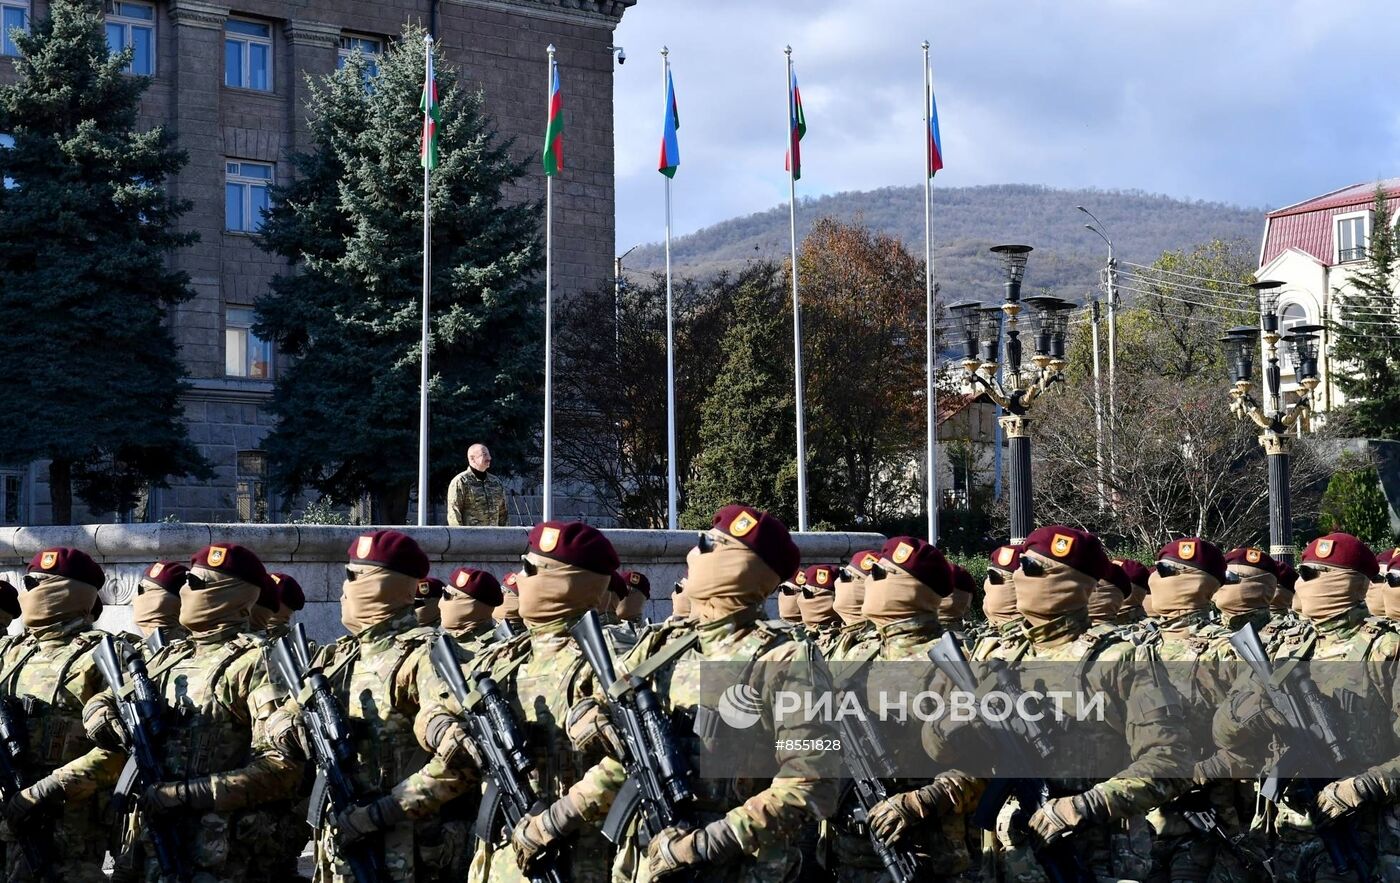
(1251, 102)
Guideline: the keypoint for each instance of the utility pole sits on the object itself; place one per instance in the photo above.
(1098, 402)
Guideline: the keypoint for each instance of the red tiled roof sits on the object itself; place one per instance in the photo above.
(950, 406)
(1308, 225)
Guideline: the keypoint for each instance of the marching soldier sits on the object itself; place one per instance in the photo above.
(789, 600)
(1106, 600)
(1245, 599)
(680, 602)
(1283, 603)
(223, 760)
(1005, 639)
(817, 603)
(427, 600)
(904, 601)
(291, 600)
(508, 613)
(156, 606)
(1132, 611)
(851, 581)
(49, 674)
(952, 609)
(468, 600)
(631, 609)
(1375, 594)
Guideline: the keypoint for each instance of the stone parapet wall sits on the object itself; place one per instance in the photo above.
(315, 555)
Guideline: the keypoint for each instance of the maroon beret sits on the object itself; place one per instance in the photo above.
(72, 563)
(823, 576)
(233, 560)
(864, 560)
(1079, 549)
(392, 549)
(617, 585)
(1005, 558)
(1249, 556)
(9, 599)
(962, 580)
(1341, 550)
(169, 575)
(508, 584)
(1117, 576)
(637, 582)
(1135, 570)
(478, 585)
(1287, 576)
(1195, 552)
(576, 543)
(267, 597)
(1385, 557)
(429, 588)
(922, 561)
(289, 591)
(1394, 561)
(764, 534)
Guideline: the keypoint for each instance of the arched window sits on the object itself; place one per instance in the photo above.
(1293, 314)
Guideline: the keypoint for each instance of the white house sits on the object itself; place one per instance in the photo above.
(1314, 247)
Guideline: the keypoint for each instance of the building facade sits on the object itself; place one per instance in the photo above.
(230, 81)
(1314, 247)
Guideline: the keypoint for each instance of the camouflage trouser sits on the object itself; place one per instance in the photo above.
(778, 863)
(1119, 851)
(74, 844)
(445, 850)
(1300, 855)
(220, 847)
(589, 858)
(288, 839)
(940, 847)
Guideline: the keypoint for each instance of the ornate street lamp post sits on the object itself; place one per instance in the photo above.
(994, 366)
(1277, 421)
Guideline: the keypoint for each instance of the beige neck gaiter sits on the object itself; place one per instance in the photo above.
(428, 613)
(282, 617)
(1392, 603)
(154, 608)
(1331, 593)
(1062, 590)
(1135, 597)
(727, 579)
(790, 607)
(953, 607)
(999, 601)
(509, 611)
(1184, 593)
(1104, 603)
(680, 605)
(819, 610)
(376, 594)
(897, 597)
(259, 617)
(1375, 599)
(632, 606)
(55, 599)
(462, 612)
(1148, 607)
(850, 594)
(560, 591)
(224, 600)
(1251, 593)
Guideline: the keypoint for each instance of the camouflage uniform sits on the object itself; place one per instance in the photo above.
(49, 675)
(382, 677)
(474, 640)
(1006, 642)
(479, 502)
(766, 815)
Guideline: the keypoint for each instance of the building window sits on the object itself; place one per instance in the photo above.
(368, 46)
(134, 25)
(252, 486)
(245, 195)
(13, 14)
(245, 354)
(6, 142)
(248, 55)
(1351, 237)
(12, 496)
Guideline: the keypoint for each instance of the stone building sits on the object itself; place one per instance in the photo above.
(230, 81)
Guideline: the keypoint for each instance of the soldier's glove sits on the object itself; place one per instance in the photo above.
(1247, 725)
(1345, 796)
(590, 729)
(675, 849)
(359, 822)
(445, 736)
(45, 792)
(1060, 816)
(191, 794)
(103, 724)
(538, 831)
(950, 793)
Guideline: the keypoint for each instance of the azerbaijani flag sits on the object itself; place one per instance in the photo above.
(670, 147)
(554, 131)
(432, 117)
(935, 141)
(797, 127)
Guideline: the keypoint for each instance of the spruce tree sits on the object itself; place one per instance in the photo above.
(1366, 335)
(747, 431)
(349, 310)
(92, 378)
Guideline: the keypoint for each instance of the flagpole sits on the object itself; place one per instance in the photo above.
(671, 491)
(930, 392)
(427, 285)
(548, 503)
(796, 304)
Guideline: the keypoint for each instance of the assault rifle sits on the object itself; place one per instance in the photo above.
(658, 775)
(142, 712)
(505, 761)
(332, 752)
(869, 763)
(13, 741)
(1314, 736)
(1026, 746)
